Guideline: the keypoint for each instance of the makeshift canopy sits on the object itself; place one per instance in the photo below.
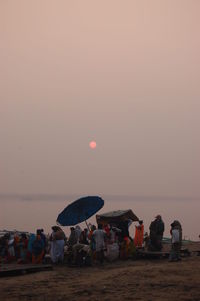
(116, 216)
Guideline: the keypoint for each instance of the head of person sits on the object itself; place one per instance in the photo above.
(100, 226)
(72, 229)
(172, 225)
(23, 236)
(54, 228)
(93, 227)
(38, 232)
(6, 236)
(141, 222)
(158, 217)
(177, 224)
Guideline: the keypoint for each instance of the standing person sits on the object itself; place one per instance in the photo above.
(92, 229)
(57, 239)
(84, 237)
(31, 240)
(124, 238)
(146, 241)
(17, 246)
(92, 241)
(99, 236)
(78, 232)
(4, 247)
(156, 228)
(175, 242)
(23, 248)
(37, 249)
(72, 238)
(41, 233)
(152, 236)
(139, 234)
(160, 228)
(177, 225)
(43, 237)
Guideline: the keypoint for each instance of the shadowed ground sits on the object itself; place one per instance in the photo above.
(123, 280)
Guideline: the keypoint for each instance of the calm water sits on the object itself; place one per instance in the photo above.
(30, 213)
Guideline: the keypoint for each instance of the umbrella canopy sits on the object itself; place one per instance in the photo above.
(116, 216)
(80, 210)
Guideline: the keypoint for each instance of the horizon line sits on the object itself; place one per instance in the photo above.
(44, 196)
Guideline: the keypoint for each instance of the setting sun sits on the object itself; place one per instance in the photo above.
(93, 144)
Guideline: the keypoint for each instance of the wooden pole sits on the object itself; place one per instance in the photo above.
(87, 225)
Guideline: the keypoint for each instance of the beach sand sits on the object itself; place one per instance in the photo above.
(147, 280)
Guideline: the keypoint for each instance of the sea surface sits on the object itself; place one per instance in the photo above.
(28, 213)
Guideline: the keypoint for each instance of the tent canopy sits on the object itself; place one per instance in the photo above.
(116, 216)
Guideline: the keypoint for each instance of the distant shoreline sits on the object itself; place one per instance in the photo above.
(72, 197)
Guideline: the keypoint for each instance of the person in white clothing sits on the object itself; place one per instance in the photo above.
(175, 243)
(99, 236)
(57, 240)
(78, 232)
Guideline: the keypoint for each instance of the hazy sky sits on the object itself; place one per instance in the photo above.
(123, 73)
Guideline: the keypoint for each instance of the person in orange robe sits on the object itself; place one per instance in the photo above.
(37, 250)
(139, 234)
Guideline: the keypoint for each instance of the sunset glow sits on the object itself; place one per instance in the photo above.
(93, 145)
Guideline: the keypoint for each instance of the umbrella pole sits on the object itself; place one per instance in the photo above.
(87, 225)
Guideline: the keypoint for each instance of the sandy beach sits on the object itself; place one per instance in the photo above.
(147, 280)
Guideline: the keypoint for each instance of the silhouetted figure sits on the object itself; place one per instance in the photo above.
(156, 233)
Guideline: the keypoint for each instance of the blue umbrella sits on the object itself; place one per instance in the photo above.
(80, 210)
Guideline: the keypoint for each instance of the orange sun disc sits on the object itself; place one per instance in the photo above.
(93, 144)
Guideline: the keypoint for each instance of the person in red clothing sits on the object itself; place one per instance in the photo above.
(38, 250)
(139, 234)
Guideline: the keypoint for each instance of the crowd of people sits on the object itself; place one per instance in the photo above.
(23, 247)
(90, 245)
